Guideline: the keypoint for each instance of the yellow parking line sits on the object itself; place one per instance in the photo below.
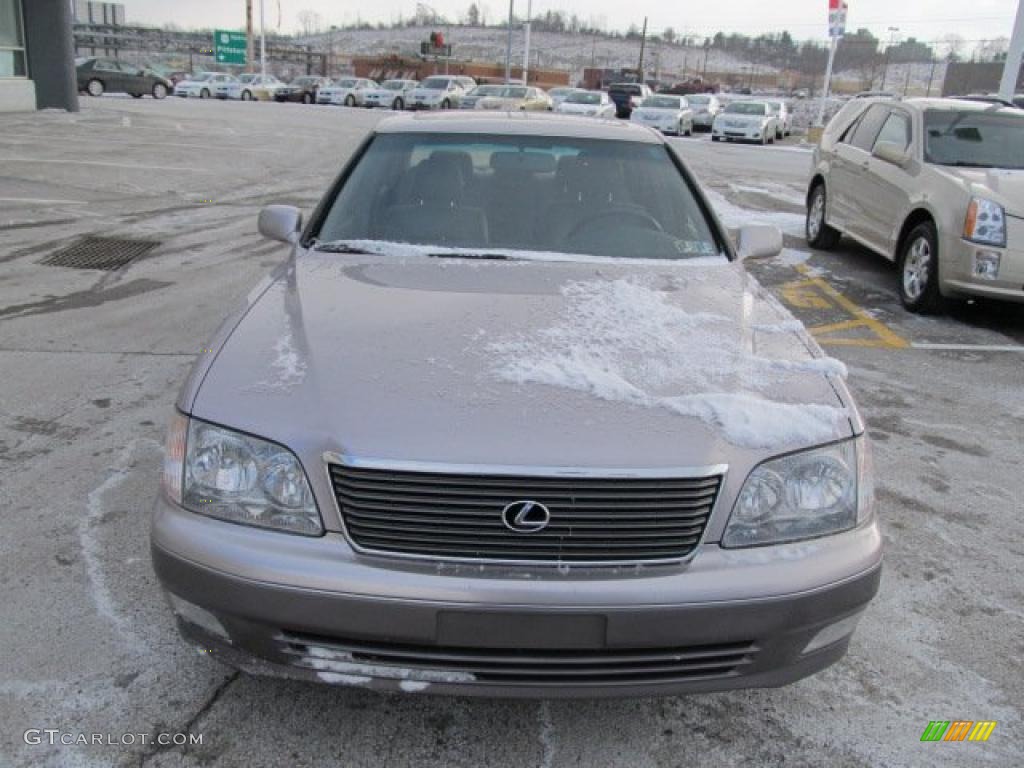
(816, 293)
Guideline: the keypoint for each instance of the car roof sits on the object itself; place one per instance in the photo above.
(959, 105)
(498, 123)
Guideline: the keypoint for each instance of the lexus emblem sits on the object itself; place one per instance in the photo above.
(526, 516)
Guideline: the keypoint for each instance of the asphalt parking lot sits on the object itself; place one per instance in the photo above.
(91, 362)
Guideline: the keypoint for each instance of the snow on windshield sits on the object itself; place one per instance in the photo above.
(624, 340)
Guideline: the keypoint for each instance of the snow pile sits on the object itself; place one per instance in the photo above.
(624, 341)
(734, 216)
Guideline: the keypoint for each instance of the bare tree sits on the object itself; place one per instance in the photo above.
(310, 22)
(950, 46)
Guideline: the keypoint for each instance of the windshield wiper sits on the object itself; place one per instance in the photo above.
(339, 247)
(969, 164)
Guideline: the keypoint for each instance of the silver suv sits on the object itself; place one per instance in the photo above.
(932, 184)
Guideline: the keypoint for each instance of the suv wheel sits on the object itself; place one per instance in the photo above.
(95, 87)
(159, 91)
(399, 105)
(819, 234)
(204, 94)
(919, 270)
(307, 98)
(446, 104)
(350, 100)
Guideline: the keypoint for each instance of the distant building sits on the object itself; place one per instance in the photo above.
(37, 68)
(89, 12)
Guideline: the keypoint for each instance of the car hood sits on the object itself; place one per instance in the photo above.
(426, 93)
(522, 363)
(664, 112)
(736, 119)
(567, 106)
(1006, 187)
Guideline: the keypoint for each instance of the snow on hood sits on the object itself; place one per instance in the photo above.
(625, 340)
(524, 362)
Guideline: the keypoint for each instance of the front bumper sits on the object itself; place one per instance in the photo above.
(739, 133)
(958, 259)
(313, 609)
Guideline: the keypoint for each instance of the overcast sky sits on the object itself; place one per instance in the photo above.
(924, 19)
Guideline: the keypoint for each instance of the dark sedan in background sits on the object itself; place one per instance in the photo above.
(99, 76)
(302, 89)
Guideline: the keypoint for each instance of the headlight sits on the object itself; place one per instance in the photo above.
(804, 495)
(985, 222)
(238, 478)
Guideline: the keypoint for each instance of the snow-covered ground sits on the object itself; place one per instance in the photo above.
(548, 49)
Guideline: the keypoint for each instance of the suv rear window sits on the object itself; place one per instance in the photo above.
(864, 135)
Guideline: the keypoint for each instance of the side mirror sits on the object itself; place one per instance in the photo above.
(280, 222)
(757, 241)
(890, 153)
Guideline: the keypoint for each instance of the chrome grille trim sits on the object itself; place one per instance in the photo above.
(452, 513)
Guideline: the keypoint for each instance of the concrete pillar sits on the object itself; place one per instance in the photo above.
(50, 49)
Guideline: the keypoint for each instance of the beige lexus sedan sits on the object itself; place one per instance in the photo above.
(936, 185)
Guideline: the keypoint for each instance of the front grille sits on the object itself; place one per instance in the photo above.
(459, 516)
(609, 666)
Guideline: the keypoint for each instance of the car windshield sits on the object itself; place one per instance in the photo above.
(583, 98)
(435, 83)
(393, 85)
(514, 93)
(303, 81)
(346, 83)
(606, 198)
(700, 101)
(747, 108)
(560, 91)
(247, 78)
(633, 90)
(205, 77)
(975, 139)
(662, 102)
(486, 90)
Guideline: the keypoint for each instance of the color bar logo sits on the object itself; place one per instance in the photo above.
(958, 730)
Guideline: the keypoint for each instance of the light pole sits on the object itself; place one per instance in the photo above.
(1014, 53)
(893, 31)
(330, 55)
(526, 42)
(508, 47)
(263, 43)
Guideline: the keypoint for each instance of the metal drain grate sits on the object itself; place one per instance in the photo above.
(100, 253)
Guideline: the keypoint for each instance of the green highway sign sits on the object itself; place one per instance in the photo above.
(229, 47)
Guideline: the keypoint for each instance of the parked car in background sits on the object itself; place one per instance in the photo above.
(783, 117)
(935, 185)
(250, 87)
(97, 76)
(203, 85)
(588, 104)
(391, 94)
(301, 90)
(346, 91)
(705, 107)
(667, 113)
(628, 96)
(689, 511)
(557, 95)
(438, 92)
(469, 101)
(516, 98)
(746, 121)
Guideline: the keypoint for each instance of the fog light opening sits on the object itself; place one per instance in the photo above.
(986, 265)
(834, 632)
(200, 617)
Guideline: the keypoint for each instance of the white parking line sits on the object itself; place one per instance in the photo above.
(129, 166)
(42, 201)
(969, 347)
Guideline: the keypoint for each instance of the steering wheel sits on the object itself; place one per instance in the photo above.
(636, 214)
